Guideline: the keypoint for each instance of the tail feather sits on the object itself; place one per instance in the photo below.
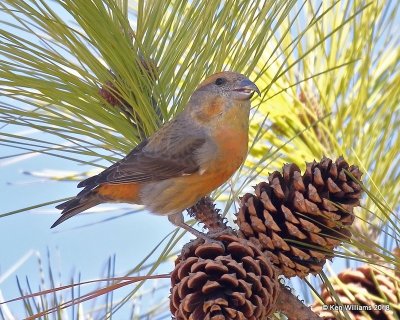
(88, 181)
(77, 205)
(68, 203)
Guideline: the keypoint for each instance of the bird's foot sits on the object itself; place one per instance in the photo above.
(177, 219)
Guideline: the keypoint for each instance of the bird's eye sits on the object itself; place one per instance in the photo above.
(220, 81)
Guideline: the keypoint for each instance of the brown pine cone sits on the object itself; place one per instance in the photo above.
(370, 289)
(298, 220)
(230, 279)
(110, 92)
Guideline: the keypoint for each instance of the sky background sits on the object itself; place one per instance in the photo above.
(80, 245)
(72, 246)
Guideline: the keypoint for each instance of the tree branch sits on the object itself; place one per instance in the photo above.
(288, 304)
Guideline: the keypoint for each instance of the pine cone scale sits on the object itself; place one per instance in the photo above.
(365, 286)
(229, 281)
(291, 208)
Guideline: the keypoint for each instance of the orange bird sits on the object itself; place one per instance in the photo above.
(186, 159)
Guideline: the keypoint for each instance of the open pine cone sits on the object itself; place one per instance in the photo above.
(212, 281)
(298, 220)
(376, 291)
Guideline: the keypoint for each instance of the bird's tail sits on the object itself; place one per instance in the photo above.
(77, 205)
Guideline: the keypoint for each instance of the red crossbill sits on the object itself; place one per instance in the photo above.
(186, 159)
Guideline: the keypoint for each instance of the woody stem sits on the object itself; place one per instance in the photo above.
(294, 309)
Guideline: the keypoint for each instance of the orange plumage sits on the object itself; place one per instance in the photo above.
(127, 192)
(184, 160)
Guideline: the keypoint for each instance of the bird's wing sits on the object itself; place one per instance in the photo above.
(174, 156)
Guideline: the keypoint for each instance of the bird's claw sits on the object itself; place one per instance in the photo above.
(210, 237)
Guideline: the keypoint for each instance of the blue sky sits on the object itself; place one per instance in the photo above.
(84, 249)
(80, 245)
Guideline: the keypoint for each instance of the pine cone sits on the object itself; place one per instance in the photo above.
(227, 280)
(204, 211)
(110, 92)
(365, 287)
(311, 111)
(298, 220)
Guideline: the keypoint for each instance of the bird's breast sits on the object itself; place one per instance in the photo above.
(231, 138)
(232, 148)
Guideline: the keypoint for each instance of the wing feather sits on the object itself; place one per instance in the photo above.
(162, 157)
(153, 166)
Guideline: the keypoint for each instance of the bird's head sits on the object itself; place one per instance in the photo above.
(228, 84)
(224, 96)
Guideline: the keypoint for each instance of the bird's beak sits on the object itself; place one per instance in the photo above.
(247, 87)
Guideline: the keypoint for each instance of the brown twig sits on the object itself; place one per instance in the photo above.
(289, 305)
(205, 212)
